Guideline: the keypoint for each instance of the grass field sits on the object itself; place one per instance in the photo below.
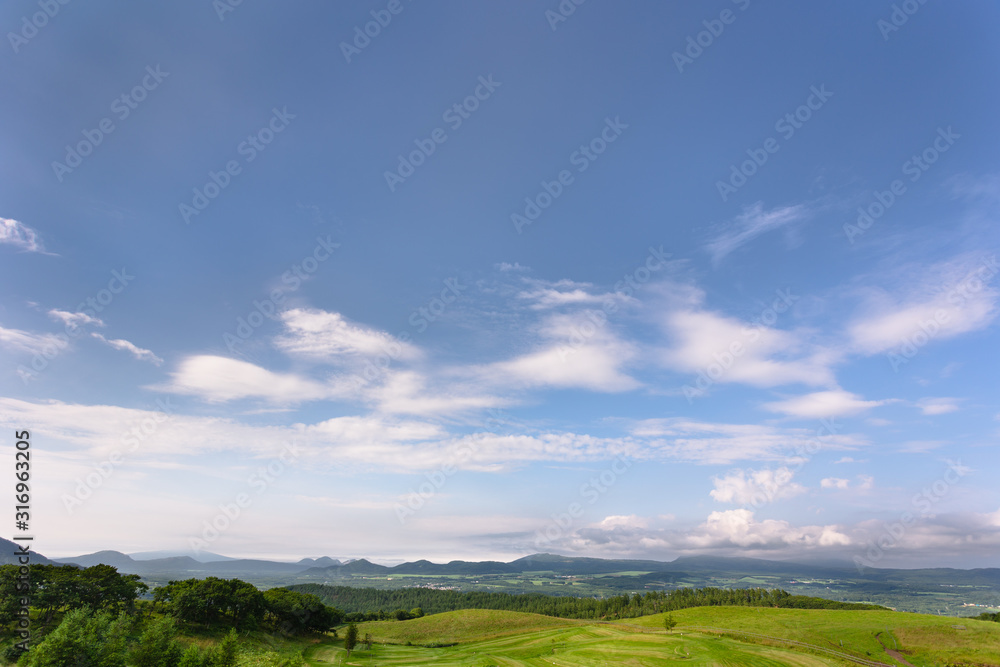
(481, 638)
(501, 638)
(581, 645)
(484, 638)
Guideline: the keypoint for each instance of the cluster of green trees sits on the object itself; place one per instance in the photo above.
(376, 604)
(987, 616)
(105, 625)
(59, 588)
(243, 606)
(88, 639)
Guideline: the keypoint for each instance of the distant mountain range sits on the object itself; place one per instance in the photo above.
(181, 565)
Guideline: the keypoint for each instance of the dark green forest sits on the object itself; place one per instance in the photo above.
(375, 604)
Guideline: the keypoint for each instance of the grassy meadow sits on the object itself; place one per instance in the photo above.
(481, 638)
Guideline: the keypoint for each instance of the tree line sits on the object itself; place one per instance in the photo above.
(104, 623)
(379, 604)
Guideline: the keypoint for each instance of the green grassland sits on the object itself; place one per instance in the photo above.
(703, 636)
(479, 637)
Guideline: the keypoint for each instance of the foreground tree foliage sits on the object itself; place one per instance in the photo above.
(88, 639)
(83, 639)
(58, 588)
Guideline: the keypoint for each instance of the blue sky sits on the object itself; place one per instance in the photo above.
(610, 280)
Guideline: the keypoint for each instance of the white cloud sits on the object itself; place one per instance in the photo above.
(755, 486)
(920, 446)
(834, 483)
(74, 319)
(323, 336)
(724, 444)
(20, 236)
(219, 379)
(580, 351)
(936, 303)
(27, 342)
(406, 392)
(938, 406)
(139, 353)
(545, 295)
(753, 222)
(725, 349)
(833, 403)
(623, 521)
(739, 528)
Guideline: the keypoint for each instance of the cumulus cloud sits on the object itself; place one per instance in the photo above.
(755, 486)
(220, 379)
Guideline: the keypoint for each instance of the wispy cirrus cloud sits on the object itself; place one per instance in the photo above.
(751, 223)
(121, 344)
(329, 337)
(27, 342)
(934, 302)
(20, 235)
